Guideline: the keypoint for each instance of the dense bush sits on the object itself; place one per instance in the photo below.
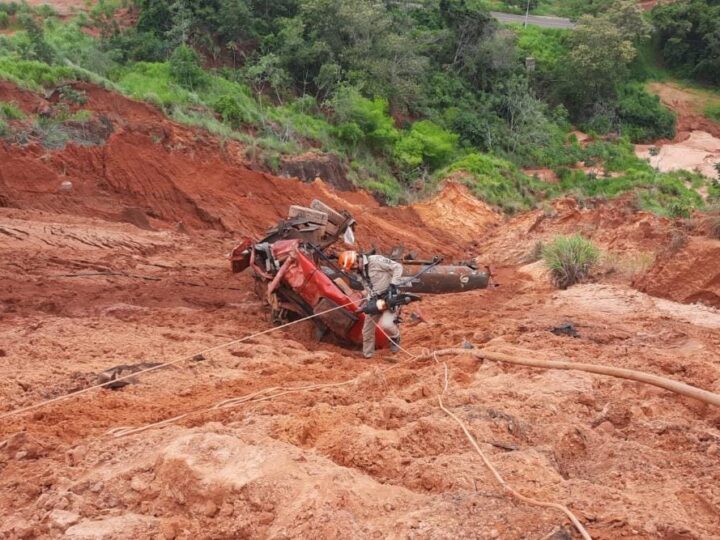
(232, 111)
(642, 117)
(9, 8)
(37, 47)
(687, 33)
(570, 259)
(185, 68)
(426, 144)
(361, 119)
(497, 181)
(70, 42)
(33, 74)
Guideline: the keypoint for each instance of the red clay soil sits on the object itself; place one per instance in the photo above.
(690, 274)
(688, 104)
(81, 291)
(178, 175)
(617, 227)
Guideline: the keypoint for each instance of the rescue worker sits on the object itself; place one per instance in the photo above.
(378, 274)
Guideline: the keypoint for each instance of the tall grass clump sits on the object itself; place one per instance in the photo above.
(570, 259)
(10, 111)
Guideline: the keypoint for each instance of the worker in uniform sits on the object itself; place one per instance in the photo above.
(378, 274)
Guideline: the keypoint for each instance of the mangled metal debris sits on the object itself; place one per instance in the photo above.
(298, 276)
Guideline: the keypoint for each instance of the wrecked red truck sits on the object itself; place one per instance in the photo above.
(297, 275)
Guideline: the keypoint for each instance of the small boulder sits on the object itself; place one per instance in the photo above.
(62, 519)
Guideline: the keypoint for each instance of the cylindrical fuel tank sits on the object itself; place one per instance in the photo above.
(443, 279)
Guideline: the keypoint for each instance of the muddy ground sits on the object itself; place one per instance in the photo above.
(87, 283)
(696, 146)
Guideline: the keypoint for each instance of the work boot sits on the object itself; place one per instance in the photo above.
(367, 356)
(395, 344)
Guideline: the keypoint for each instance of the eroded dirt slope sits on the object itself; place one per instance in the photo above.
(373, 456)
(696, 145)
(151, 170)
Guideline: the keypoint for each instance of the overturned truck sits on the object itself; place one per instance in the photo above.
(296, 273)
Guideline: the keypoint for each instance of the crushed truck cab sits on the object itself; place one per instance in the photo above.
(297, 278)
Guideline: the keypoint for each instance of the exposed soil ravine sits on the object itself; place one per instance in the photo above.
(697, 143)
(375, 457)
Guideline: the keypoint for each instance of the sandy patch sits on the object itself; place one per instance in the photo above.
(700, 151)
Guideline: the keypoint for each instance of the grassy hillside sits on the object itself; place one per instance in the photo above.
(404, 97)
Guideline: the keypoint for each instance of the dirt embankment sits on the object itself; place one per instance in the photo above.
(689, 275)
(659, 256)
(617, 227)
(82, 291)
(170, 176)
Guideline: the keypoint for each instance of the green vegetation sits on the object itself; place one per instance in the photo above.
(560, 8)
(712, 111)
(644, 118)
(570, 259)
(405, 95)
(426, 144)
(10, 111)
(687, 35)
(497, 181)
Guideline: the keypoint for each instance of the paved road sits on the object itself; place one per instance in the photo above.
(534, 20)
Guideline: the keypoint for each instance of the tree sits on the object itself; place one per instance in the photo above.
(466, 26)
(369, 116)
(491, 59)
(39, 49)
(354, 41)
(426, 144)
(689, 38)
(599, 59)
(268, 72)
(235, 21)
(524, 114)
(185, 68)
(629, 19)
(183, 21)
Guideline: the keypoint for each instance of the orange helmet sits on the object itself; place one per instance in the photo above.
(347, 260)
